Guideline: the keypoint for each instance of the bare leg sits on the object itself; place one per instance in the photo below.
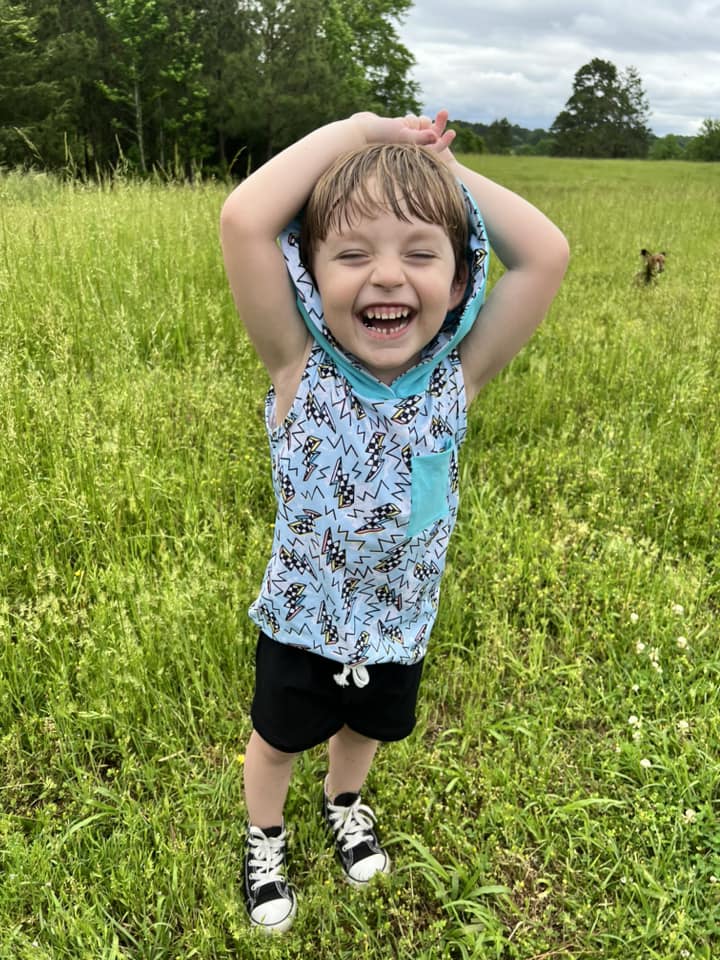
(267, 778)
(351, 756)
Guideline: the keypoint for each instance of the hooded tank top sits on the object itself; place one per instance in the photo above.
(366, 481)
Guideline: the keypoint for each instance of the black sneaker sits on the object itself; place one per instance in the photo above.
(270, 900)
(358, 850)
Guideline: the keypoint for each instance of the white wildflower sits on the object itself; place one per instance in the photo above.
(645, 763)
(639, 646)
(635, 688)
(633, 720)
(689, 815)
(678, 609)
(683, 726)
(681, 643)
(634, 618)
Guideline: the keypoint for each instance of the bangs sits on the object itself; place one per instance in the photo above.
(400, 179)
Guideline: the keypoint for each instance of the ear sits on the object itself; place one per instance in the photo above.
(644, 252)
(459, 285)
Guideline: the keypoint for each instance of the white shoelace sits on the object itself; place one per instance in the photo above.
(358, 672)
(266, 861)
(352, 825)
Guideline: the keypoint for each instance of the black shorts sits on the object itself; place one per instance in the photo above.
(298, 704)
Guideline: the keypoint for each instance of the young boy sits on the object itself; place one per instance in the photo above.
(368, 319)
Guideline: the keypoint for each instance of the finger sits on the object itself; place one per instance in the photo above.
(425, 123)
(441, 144)
(422, 138)
(441, 119)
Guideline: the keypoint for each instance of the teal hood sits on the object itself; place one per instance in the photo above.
(456, 326)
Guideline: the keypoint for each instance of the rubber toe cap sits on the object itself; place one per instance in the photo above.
(275, 916)
(364, 870)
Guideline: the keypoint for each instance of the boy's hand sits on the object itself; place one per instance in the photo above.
(441, 138)
(410, 129)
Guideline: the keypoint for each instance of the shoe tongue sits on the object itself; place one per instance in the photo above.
(345, 799)
(272, 831)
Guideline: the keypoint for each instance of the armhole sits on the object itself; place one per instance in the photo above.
(463, 407)
(289, 392)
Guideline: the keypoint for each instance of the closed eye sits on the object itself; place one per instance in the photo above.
(350, 256)
(421, 255)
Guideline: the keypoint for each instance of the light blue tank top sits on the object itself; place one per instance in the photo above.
(367, 494)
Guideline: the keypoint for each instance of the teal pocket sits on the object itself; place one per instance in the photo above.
(429, 481)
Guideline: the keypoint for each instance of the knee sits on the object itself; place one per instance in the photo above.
(270, 754)
(351, 736)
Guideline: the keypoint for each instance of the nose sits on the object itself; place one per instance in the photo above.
(388, 272)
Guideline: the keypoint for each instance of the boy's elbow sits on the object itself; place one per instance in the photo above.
(229, 216)
(556, 254)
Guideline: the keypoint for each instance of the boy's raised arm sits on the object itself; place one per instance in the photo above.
(533, 251)
(535, 255)
(261, 206)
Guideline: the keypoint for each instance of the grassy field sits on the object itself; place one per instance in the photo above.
(560, 795)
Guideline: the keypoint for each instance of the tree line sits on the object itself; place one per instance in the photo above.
(606, 115)
(91, 86)
(181, 86)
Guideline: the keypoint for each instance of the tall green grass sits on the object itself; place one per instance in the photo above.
(559, 797)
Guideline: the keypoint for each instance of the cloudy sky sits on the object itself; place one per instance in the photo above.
(517, 58)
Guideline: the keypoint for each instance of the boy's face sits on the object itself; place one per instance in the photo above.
(386, 287)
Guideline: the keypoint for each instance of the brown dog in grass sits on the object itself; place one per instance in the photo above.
(654, 265)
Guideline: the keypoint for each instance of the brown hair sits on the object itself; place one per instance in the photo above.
(397, 178)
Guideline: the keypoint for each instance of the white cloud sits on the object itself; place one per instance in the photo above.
(518, 61)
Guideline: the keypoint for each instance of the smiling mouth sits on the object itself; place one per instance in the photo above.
(387, 321)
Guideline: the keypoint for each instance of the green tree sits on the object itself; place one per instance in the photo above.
(26, 97)
(377, 55)
(69, 43)
(706, 145)
(466, 140)
(606, 115)
(499, 137)
(666, 148)
(306, 62)
(225, 37)
(152, 75)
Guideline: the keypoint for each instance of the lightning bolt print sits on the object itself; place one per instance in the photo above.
(386, 594)
(344, 490)
(333, 553)
(311, 452)
(439, 426)
(295, 561)
(287, 490)
(304, 523)
(378, 517)
(406, 410)
(327, 626)
(373, 450)
(292, 599)
(319, 413)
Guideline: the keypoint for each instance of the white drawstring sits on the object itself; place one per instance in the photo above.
(359, 674)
